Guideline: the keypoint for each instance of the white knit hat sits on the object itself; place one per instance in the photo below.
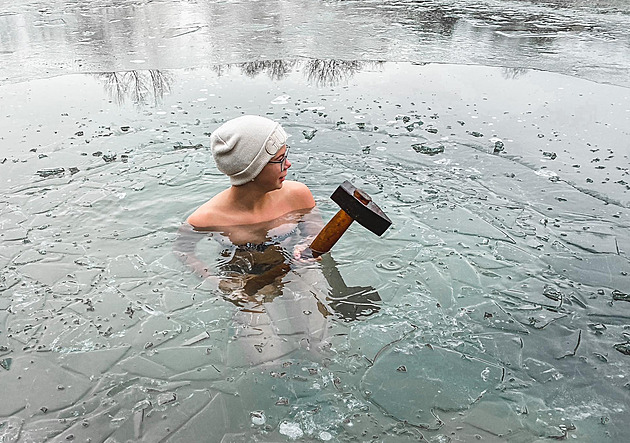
(241, 147)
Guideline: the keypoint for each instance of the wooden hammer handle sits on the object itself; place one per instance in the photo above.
(332, 232)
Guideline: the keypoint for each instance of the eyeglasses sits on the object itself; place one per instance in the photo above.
(282, 160)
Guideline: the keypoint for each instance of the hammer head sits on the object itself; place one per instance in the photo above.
(358, 205)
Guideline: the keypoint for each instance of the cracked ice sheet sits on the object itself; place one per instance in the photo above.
(359, 251)
(427, 379)
(38, 385)
(459, 219)
(48, 273)
(597, 270)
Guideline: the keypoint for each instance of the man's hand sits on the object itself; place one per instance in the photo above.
(302, 253)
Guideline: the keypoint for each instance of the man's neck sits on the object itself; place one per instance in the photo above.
(249, 197)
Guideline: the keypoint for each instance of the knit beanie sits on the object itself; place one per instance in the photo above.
(241, 147)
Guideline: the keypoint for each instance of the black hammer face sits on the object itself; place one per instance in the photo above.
(369, 215)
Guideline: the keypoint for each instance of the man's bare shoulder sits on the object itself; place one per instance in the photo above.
(299, 194)
(212, 214)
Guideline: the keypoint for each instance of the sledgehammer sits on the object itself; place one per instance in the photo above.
(355, 205)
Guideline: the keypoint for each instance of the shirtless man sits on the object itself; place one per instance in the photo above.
(252, 215)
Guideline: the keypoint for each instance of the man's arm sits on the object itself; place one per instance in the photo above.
(184, 248)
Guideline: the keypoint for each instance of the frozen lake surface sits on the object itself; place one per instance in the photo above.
(496, 308)
(584, 38)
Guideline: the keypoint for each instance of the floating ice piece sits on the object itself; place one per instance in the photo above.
(258, 418)
(281, 100)
(428, 149)
(196, 339)
(167, 398)
(545, 173)
(50, 172)
(291, 430)
(325, 436)
(309, 133)
(443, 161)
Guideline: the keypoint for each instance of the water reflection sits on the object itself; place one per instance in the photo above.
(320, 72)
(275, 69)
(514, 73)
(254, 274)
(333, 72)
(349, 303)
(141, 87)
(148, 87)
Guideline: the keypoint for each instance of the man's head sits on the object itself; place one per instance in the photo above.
(241, 147)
